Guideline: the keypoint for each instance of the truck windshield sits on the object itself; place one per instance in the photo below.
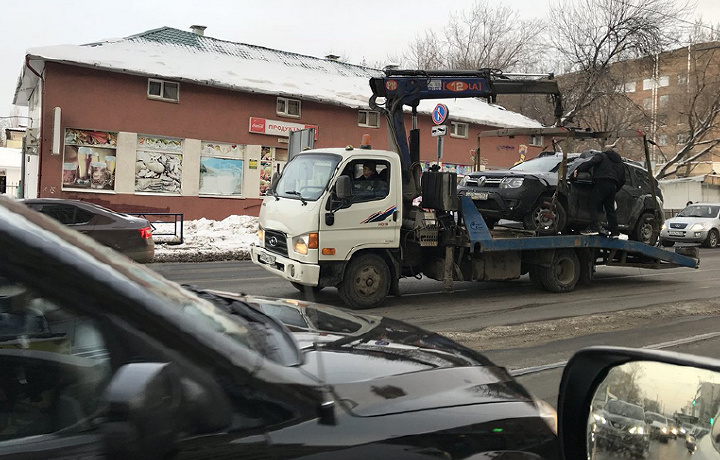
(306, 176)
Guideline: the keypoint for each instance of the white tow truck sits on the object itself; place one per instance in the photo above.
(320, 226)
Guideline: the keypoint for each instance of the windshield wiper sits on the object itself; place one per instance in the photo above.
(295, 192)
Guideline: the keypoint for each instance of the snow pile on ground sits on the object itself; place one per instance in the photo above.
(207, 240)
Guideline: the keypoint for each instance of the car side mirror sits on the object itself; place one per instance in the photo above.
(633, 381)
(148, 405)
(343, 187)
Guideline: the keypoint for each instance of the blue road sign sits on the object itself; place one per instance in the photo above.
(440, 114)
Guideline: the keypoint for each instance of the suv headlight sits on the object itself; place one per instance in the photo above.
(464, 180)
(636, 430)
(302, 243)
(697, 227)
(512, 182)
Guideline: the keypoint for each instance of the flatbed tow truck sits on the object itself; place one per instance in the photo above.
(321, 227)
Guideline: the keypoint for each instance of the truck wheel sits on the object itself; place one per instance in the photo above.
(647, 229)
(563, 273)
(303, 288)
(366, 282)
(546, 221)
(712, 239)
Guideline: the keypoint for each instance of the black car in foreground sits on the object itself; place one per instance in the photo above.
(523, 193)
(126, 234)
(102, 356)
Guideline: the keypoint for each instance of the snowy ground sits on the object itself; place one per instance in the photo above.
(207, 240)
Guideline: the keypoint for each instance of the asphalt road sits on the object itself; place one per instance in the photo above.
(471, 308)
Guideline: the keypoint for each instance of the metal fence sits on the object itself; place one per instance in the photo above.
(167, 227)
(12, 190)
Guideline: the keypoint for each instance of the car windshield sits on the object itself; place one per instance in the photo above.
(541, 164)
(306, 176)
(698, 210)
(656, 417)
(625, 409)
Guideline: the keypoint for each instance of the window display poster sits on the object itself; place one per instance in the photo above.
(89, 160)
(220, 149)
(221, 176)
(158, 172)
(267, 155)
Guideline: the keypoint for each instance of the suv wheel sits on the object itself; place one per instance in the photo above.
(646, 230)
(545, 220)
(712, 239)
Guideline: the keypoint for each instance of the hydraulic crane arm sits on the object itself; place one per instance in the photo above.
(399, 88)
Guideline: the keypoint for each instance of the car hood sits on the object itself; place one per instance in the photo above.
(622, 420)
(550, 178)
(395, 368)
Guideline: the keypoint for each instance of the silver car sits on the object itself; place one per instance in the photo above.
(697, 223)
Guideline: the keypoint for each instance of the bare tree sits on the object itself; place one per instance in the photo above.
(487, 36)
(590, 35)
(700, 110)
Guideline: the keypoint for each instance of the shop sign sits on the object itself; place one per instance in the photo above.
(277, 127)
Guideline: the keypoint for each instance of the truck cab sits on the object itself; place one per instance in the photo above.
(312, 218)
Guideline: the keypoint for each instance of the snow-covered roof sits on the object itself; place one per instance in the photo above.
(185, 56)
(10, 158)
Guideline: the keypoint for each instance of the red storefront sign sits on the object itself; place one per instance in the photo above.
(276, 127)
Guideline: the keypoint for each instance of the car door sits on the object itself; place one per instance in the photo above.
(628, 200)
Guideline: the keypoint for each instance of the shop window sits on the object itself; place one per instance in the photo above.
(536, 141)
(163, 90)
(458, 129)
(268, 164)
(368, 119)
(288, 107)
(89, 160)
(158, 165)
(221, 169)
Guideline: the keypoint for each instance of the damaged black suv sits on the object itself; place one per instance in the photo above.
(524, 193)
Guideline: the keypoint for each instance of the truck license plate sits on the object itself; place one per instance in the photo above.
(676, 233)
(266, 259)
(479, 195)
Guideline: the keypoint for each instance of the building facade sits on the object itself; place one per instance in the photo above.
(174, 121)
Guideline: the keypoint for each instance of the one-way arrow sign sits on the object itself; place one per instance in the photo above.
(440, 130)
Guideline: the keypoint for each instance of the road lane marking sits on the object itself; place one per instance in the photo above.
(657, 346)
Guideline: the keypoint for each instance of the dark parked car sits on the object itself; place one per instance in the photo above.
(102, 356)
(621, 427)
(523, 193)
(126, 234)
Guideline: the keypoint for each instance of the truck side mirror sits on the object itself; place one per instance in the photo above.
(343, 187)
(274, 181)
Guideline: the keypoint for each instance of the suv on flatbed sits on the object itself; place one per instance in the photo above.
(523, 193)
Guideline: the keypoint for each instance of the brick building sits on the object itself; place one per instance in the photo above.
(176, 121)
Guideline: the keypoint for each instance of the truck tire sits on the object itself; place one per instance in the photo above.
(712, 239)
(563, 273)
(647, 229)
(542, 224)
(366, 282)
(306, 289)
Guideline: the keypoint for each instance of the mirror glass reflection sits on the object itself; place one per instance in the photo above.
(655, 410)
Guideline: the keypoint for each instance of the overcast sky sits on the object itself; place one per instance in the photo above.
(368, 29)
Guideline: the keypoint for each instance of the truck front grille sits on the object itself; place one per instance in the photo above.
(276, 242)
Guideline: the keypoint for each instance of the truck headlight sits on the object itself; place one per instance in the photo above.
(261, 236)
(697, 227)
(512, 182)
(302, 243)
